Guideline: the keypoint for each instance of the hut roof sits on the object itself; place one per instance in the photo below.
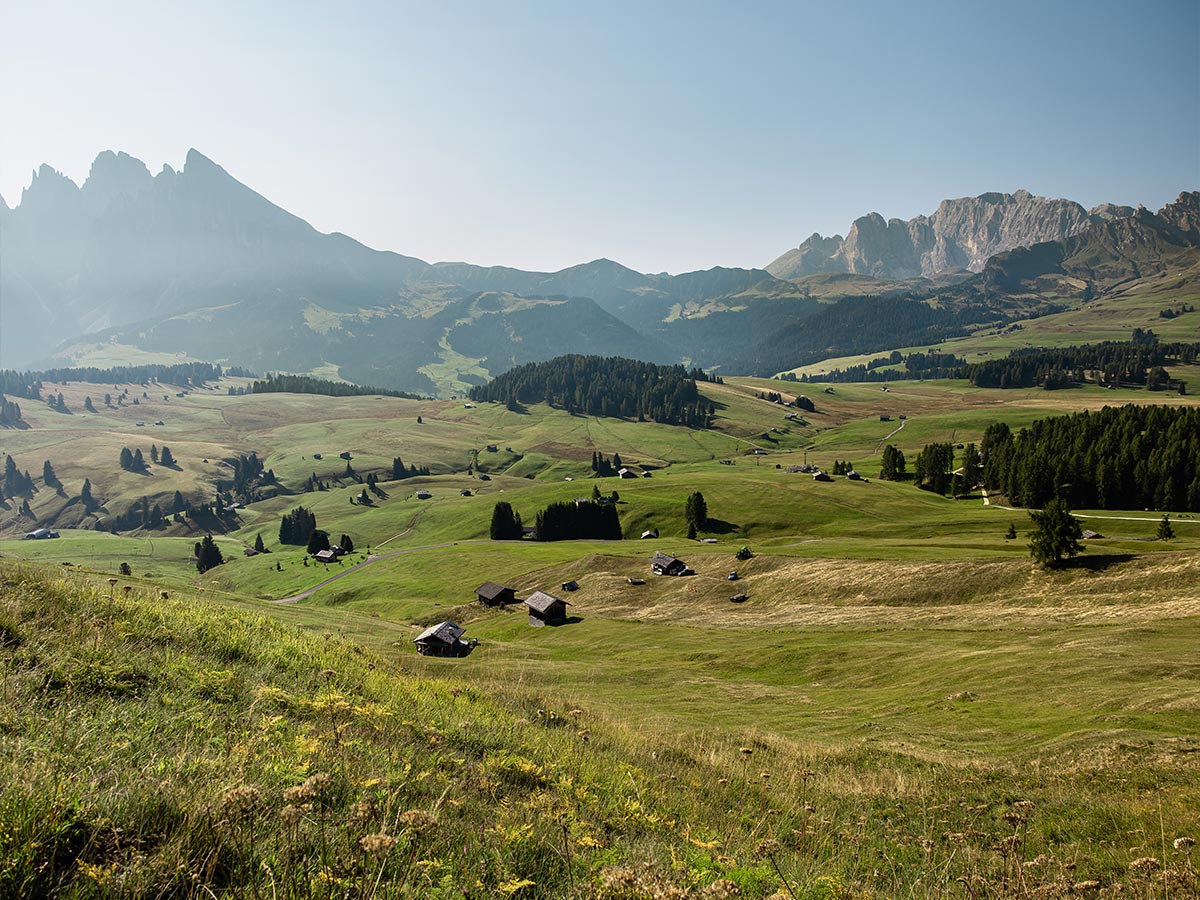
(541, 601)
(664, 559)
(489, 590)
(446, 632)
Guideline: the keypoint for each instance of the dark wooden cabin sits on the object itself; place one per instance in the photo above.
(443, 639)
(492, 594)
(665, 564)
(546, 609)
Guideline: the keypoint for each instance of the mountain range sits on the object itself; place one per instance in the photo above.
(194, 263)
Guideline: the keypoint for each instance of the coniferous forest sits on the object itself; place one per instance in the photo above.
(578, 521)
(605, 386)
(1116, 363)
(1129, 457)
(308, 384)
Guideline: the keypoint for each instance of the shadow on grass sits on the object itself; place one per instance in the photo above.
(720, 526)
(1096, 563)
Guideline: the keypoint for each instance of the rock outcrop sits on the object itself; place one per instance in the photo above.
(961, 234)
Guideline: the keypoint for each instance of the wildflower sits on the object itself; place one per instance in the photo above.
(1183, 844)
(1143, 866)
(242, 802)
(745, 751)
(361, 814)
(766, 847)
(721, 889)
(291, 815)
(377, 844)
(1089, 888)
(417, 820)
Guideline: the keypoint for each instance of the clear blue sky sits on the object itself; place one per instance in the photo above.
(665, 135)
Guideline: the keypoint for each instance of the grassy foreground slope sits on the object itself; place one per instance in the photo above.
(195, 748)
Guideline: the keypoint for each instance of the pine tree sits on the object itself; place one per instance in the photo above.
(506, 523)
(1056, 533)
(49, 477)
(126, 459)
(346, 544)
(696, 513)
(1011, 533)
(165, 458)
(208, 555)
(259, 546)
(139, 461)
(177, 502)
(1165, 531)
(85, 495)
(893, 464)
(317, 541)
(88, 405)
(153, 454)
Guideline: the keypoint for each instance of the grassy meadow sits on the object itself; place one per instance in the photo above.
(904, 705)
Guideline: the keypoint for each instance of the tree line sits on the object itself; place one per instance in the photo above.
(917, 365)
(1109, 363)
(569, 521)
(1129, 457)
(605, 386)
(29, 384)
(307, 384)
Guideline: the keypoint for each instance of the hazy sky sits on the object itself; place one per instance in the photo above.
(668, 136)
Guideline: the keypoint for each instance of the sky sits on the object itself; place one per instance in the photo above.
(669, 136)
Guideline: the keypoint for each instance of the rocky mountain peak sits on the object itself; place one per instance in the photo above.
(962, 233)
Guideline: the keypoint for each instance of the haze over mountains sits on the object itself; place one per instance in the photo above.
(195, 263)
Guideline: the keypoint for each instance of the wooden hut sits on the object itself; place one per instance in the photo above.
(492, 594)
(546, 609)
(665, 564)
(443, 639)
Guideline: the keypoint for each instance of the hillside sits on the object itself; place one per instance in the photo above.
(900, 683)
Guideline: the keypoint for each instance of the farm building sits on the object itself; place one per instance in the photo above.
(423, 495)
(465, 492)
(821, 476)
(325, 556)
(650, 533)
(492, 594)
(664, 564)
(626, 473)
(443, 639)
(546, 609)
(853, 475)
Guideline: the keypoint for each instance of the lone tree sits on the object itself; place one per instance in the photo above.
(165, 458)
(1056, 533)
(696, 513)
(209, 555)
(506, 523)
(1165, 531)
(259, 546)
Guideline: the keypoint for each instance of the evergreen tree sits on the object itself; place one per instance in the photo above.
(1165, 531)
(177, 502)
(1056, 533)
(259, 546)
(139, 462)
(972, 468)
(893, 464)
(126, 459)
(209, 555)
(48, 475)
(88, 405)
(153, 454)
(165, 458)
(85, 495)
(346, 544)
(506, 523)
(696, 513)
(1011, 533)
(317, 541)
(108, 399)
(297, 526)
(595, 493)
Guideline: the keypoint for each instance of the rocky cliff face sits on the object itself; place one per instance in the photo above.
(961, 234)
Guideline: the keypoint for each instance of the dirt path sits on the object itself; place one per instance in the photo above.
(988, 502)
(903, 422)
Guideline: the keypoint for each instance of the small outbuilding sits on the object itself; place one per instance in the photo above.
(626, 473)
(853, 475)
(649, 533)
(465, 492)
(325, 556)
(492, 594)
(546, 609)
(665, 564)
(570, 585)
(40, 534)
(423, 495)
(443, 639)
(821, 476)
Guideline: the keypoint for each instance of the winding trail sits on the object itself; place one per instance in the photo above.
(987, 502)
(903, 422)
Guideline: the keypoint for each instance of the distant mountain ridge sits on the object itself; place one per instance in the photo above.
(961, 234)
(195, 264)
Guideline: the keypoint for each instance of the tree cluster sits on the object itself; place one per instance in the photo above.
(695, 513)
(401, 471)
(605, 467)
(297, 526)
(1129, 457)
(132, 461)
(10, 412)
(29, 384)
(570, 521)
(1170, 313)
(893, 466)
(931, 365)
(604, 386)
(208, 554)
(307, 384)
(1110, 363)
(506, 523)
(16, 483)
